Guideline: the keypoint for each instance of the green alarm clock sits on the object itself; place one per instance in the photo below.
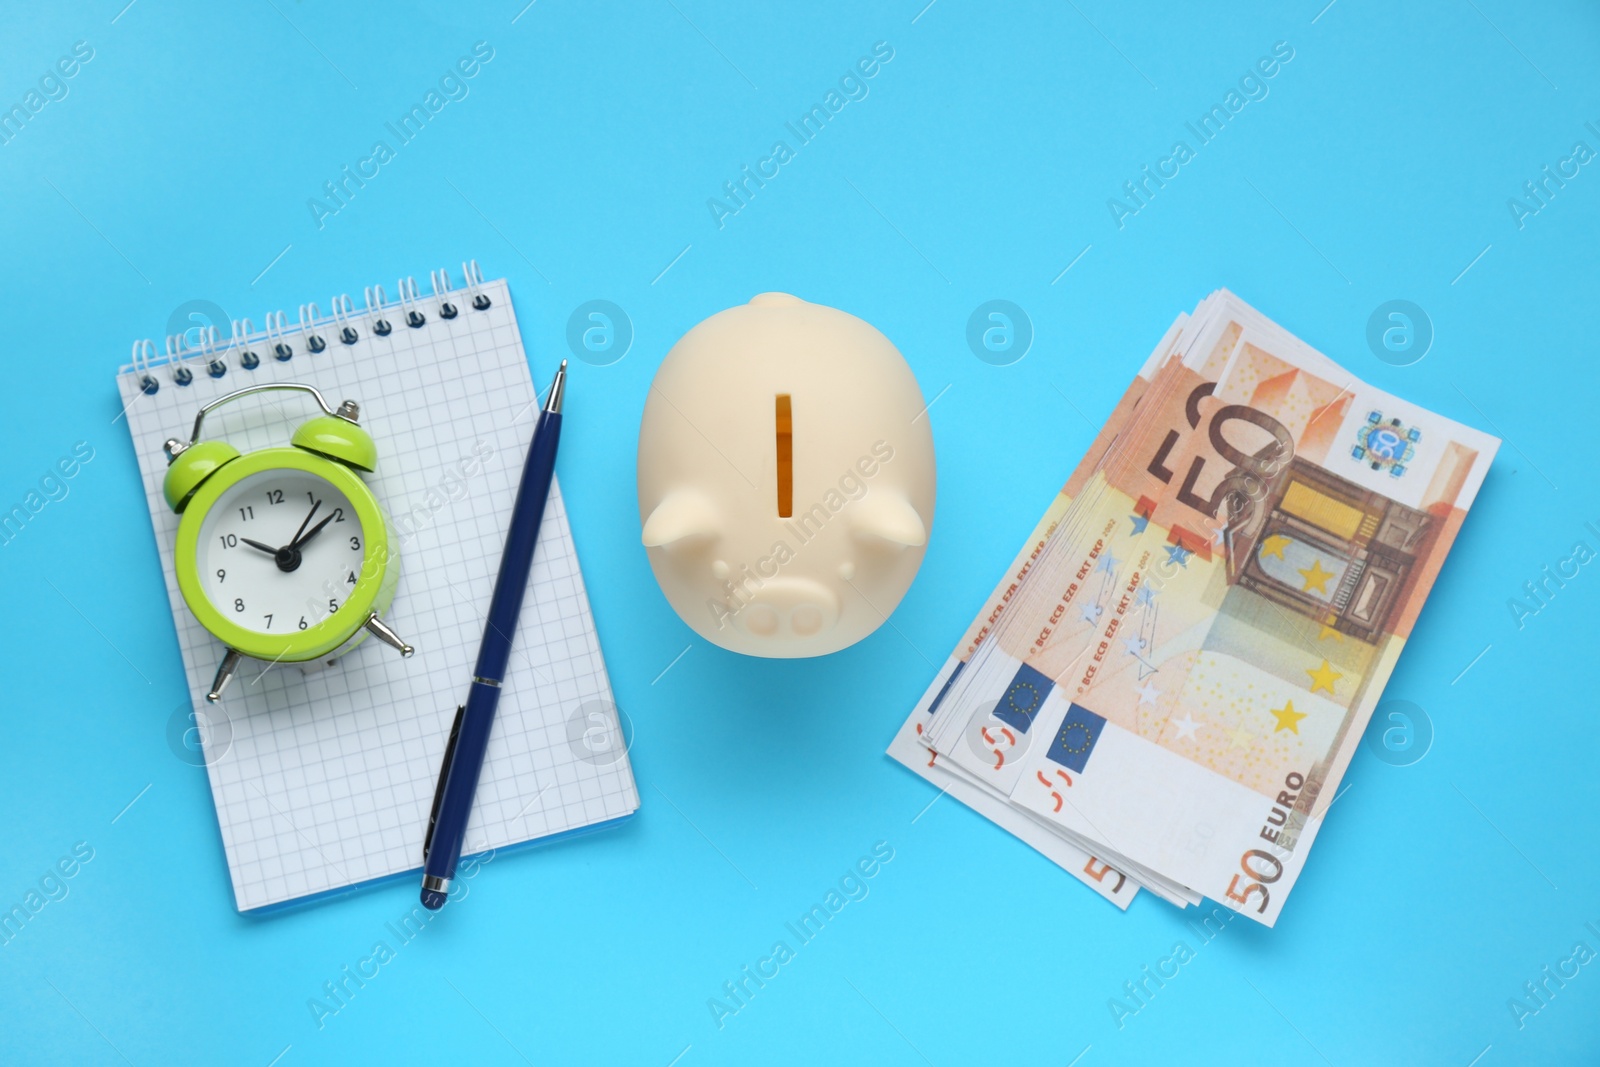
(283, 554)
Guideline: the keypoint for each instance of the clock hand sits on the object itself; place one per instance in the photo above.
(268, 549)
(300, 542)
(296, 538)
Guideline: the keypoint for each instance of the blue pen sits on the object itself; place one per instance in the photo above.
(469, 737)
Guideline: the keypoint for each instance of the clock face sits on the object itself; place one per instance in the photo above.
(279, 551)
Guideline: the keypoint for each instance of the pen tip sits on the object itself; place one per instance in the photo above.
(432, 899)
(558, 386)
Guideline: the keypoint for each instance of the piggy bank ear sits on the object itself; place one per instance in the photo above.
(888, 516)
(681, 515)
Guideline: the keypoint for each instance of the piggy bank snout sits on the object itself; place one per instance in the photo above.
(790, 607)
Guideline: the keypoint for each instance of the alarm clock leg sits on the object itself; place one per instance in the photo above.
(380, 629)
(225, 670)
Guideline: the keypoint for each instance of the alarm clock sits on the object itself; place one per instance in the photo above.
(283, 554)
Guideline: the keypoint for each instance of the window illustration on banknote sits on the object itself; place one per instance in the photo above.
(1334, 552)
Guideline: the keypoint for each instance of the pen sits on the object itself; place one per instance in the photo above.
(469, 736)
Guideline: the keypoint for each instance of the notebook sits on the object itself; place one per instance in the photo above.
(324, 778)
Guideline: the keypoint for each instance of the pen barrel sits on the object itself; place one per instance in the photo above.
(461, 779)
(516, 561)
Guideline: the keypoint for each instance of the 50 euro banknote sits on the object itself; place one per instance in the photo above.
(1261, 556)
(1266, 597)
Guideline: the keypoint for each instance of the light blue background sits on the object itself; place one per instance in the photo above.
(979, 166)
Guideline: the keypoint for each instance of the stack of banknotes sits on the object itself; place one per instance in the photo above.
(1167, 685)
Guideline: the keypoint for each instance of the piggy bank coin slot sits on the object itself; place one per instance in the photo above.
(785, 435)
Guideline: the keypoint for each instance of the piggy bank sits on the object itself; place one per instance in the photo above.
(786, 478)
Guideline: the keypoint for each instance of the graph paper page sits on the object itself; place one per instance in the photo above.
(324, 779)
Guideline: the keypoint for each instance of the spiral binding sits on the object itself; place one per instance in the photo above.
(276, 324)
(309, 314)
(409, 298)
(242, 329)
(375, 320)
(345, 324)
(348, 334)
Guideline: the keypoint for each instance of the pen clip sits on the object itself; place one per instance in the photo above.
(444, 776)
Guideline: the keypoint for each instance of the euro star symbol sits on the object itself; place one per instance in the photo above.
(1139, 523)
(1274, 546)
(1147, 694)
(1316, 578)
(1323, 677)
(1179, 555)
(1109, 564)
(1240, 738)
(1186, 727)
(1288, 718)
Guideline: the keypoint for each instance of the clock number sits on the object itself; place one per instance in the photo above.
(230, 540)
(338, 514)
(350, 579)
(238, 604)
(333, 605)
(302, 622)
(247, 512)
(221, 574)
(274, 496)
(269, 621)
(355, 544)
